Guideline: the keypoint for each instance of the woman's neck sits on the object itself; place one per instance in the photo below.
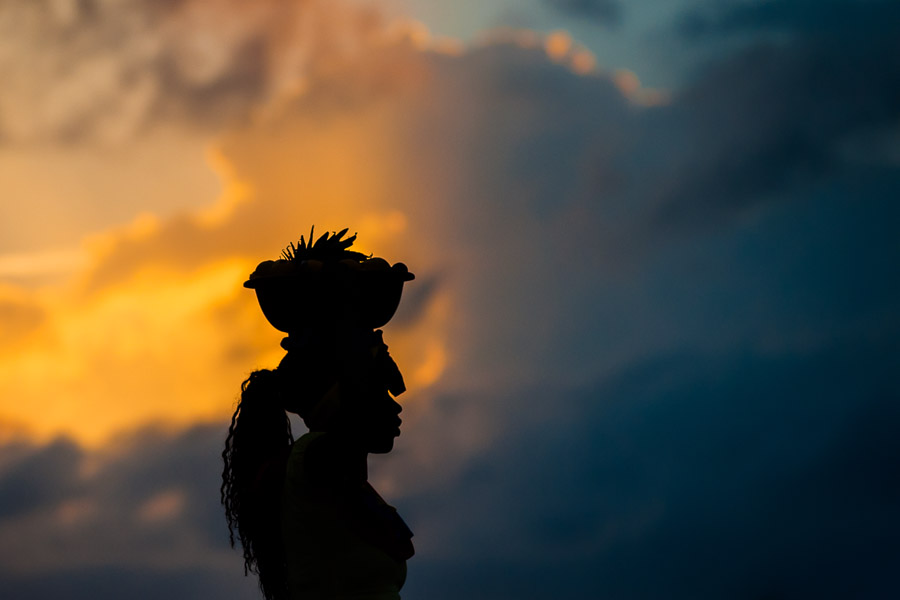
(341, 459)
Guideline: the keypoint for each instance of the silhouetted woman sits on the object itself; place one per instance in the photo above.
(309, 523)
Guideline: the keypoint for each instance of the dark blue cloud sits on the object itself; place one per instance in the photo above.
(717, 476)
(112, 583)
(69, 509)
(775, 116)
(727, 475)
(35, 477)
(806, 17)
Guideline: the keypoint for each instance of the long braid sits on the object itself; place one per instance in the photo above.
(259, 438)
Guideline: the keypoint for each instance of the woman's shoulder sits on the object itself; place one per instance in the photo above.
(308, 443)
(302, 443)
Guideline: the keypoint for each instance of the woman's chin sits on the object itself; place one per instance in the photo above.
(382, 446)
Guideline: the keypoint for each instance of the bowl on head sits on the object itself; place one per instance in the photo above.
(295, 296)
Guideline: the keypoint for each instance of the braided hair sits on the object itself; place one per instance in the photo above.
(256, 449)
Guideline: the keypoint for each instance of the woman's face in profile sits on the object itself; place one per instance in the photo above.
(375, 422)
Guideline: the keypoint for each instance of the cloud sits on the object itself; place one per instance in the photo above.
(641, 327)
(771, 119)
(143, 351)
(553, 204)
(102, 72)
(140, 517)
(607, 12)
(147, 501)
(797, 17)
(19, 316)
(776, 107)
(138, 583)
(39, 478)
(57, 196)
(392, 135)
(746, 478)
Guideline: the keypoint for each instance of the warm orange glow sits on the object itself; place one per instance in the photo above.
(415, 32)
(74, 512)
(630, 86)
(557, 45)
(234, 192)
(376, 227)
(162, 507)
(583, 62)
(432, 366)
(162, 346)
(43, 262)
(627, 82)
(449, 46)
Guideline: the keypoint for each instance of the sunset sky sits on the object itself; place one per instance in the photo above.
(652, 345)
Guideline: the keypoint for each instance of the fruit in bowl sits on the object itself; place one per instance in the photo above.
(314, 284)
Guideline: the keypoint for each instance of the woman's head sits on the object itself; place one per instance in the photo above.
(344, 388)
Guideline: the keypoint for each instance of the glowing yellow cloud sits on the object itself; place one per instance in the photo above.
(163, 346)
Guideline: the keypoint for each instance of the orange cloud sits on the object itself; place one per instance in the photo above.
(415, 150)
(159, 328)
(163, 346)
